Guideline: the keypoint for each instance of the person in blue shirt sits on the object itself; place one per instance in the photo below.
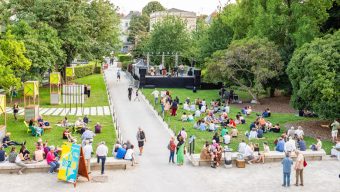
(121, 152)
(203, 126)
(287, 163)
(259, 133)
(252, 125)
(280, 146)
(301, 144)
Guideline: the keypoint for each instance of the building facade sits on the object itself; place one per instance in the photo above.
(124, 29)
(189, 17)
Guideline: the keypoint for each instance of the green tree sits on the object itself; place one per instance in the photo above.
(13, 62)
(169, 35)
(139, 27)
(151, 7)
(248, 63)
(314, 74)
(42, 44)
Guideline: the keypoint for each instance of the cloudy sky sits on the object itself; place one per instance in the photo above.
(198, 6)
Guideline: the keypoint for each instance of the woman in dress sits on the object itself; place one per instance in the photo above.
(180, 151)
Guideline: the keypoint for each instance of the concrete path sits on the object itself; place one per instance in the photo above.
(154, 174)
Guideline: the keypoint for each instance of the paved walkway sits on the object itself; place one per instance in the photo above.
(93, 111)
(154, 174)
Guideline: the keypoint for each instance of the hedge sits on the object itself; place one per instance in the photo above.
(84, 70)
(123, 58)
(126, 64)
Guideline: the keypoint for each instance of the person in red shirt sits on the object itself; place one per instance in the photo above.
(172, 149)
(232, 123)
(52, 161)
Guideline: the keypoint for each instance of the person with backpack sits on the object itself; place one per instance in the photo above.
(172, 148)
(141, 139)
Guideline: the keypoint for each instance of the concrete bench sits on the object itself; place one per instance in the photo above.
(272, 156)
(110, 164)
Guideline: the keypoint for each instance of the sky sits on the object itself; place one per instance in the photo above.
(199, 6)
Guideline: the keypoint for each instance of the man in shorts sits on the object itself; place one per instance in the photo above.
(141, 139)
(335, 126)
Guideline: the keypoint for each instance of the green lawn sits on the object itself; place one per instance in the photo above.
(98, 93)
(201, 136)
(54, 136)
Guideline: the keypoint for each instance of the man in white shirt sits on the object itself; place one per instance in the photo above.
(203, 109)
(226, 139)
(249, 153)
(242, 147)
(197, 113)
(252, 134)
(130, 155)
(101, 153)
(299, 132)
(87, 135)
(87, 154)
(290, 145)
(155, 94)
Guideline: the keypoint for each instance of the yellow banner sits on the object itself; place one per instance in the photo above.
(2, 104)
(55, 78)
(69, 71)
(31, 88)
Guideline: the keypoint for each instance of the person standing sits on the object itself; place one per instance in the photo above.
(299, 165)
(137, 95)
(118, 75)
(129, 93)
(155, 94)
(172, 149)
(101, 153)
(335, 127)
(141, 139)
(15, 111)
(87, 154)
(287, 163)
(88, 91)
(174, 107)
(180, 151)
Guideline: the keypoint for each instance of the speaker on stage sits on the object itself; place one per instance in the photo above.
(197, 78)
(142, 79)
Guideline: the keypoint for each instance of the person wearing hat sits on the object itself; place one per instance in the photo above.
(101, 153)
(6, 141)
(87, 154)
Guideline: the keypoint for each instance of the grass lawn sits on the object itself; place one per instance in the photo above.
(54, 136)
(201, 136)
(98, 93)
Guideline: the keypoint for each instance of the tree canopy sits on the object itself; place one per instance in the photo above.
(151, 7)
(314, 74)
(248, 63)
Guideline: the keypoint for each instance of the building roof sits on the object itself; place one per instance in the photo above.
(178, 10)
(210, 18)
(132, 13)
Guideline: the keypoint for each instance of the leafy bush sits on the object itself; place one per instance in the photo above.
(123, 58)
(98, 70)
(125, 65)
(84, 70)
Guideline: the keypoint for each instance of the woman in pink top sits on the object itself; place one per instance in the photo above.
(52, 161)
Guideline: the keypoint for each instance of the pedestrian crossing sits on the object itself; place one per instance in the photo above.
(93, 111)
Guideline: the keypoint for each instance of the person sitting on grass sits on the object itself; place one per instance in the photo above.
(190, 118)
(234, 132)
(41, 122)
(259, 133)
(79, 125)
(197, 113)
(275, 129)
(266, 113)
(35, 130)
(203, 108)
(186, 107)
(197, 124)
(226, 139)
(317, 146)
(299, 132)
(184, 117)
(224, 131)
(98, 128)
(67, 135)
(192, 107)
(232, 123)
(121, 152)
(280, 146)
(6, 141)
(252, 134)
(203, 126)
(64, 122)
(86, 120)
(216, 137)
